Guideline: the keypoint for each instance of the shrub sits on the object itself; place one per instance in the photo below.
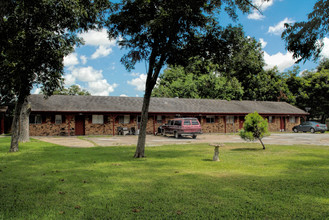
(254, 127)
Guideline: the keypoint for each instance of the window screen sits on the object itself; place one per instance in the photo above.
(230, 119)
(98, 119)
(58, 119)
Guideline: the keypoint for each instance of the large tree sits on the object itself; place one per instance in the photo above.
(199, 79)
(167, 32)
(305, 39)
(72, 90)
(35, 36)
(311, 90)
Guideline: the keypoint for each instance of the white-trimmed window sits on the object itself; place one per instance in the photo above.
(292, 119)
(58, 119)
(159, 118)
(210, 119)
(229, 119)
(125, 119)
(98, 119)
(270, 119)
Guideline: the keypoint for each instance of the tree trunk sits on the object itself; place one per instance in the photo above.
(262, 143)
(142, 132)
(16, 124)
(152, 76)
(323, 118)
(24, 122)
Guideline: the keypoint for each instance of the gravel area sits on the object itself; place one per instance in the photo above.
(151, 140)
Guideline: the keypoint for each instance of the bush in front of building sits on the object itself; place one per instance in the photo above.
(255, 127)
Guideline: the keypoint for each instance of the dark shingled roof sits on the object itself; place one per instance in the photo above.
(61, 103)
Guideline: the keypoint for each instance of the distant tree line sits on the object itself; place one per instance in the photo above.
(308, 90)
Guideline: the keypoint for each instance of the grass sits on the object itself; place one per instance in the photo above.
(46, 181)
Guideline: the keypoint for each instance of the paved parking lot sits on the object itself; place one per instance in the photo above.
(151, 140)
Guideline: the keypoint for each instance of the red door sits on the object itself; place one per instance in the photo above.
(79, 125)
(241, 121)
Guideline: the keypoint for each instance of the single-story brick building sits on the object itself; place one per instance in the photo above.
(102, 115)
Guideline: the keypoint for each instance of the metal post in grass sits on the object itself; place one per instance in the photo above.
(216, 151)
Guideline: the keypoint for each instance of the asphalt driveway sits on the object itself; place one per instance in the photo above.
(151, 140)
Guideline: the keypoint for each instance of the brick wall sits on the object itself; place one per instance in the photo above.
(290, 125)
(49, 128)
(217, 127)
(275, 125)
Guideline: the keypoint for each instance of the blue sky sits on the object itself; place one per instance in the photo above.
(96, 65)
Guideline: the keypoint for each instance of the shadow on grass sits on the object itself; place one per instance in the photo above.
(51, 182)
(247, 149)
(207, 160)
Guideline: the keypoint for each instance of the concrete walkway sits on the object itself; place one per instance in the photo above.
(66, 141)
(151, 140)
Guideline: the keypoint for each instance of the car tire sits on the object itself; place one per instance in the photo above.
(176, 135)
(312, 130)
(295, 130)
(194, 136)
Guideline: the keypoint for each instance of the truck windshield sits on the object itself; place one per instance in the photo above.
(178, 123)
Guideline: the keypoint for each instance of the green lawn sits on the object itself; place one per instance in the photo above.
(45, 181)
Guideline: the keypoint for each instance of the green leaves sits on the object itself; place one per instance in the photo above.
(255, 127)
(199, 79)
(304, 39)
(72, 90)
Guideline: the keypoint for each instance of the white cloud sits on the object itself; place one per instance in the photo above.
(139, 82)
(262, 6)
(101, 51)
(263, 43)
(135, 74)
(279, 27)
(71, 59)
(123, 95)
(255, 15)
(69, 79)
(325, 50)
(282, 61)
(37, 91)
(87, 74)
(83, 59)
(101, 87)
(97, 38)
(97, 85)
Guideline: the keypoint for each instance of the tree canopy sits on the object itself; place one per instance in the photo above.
(72, 90)
(310, 89)
(305, 38)
(168, 32)
(197, 80)
(35, 36)
(239, 76)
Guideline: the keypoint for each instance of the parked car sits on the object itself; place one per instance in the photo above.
(182, 127)
(311, 126)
